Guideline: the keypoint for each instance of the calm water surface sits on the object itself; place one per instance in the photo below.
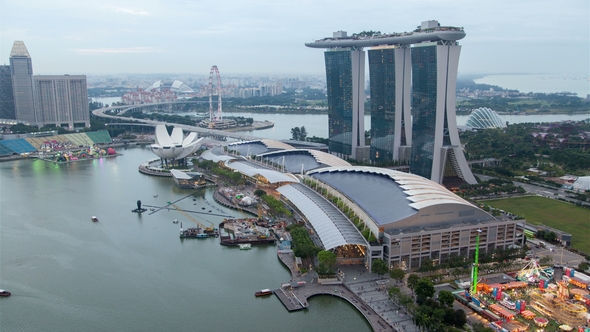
(317, 124)
(131, 272)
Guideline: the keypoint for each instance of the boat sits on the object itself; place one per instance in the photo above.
(245, 246)
(175, 221)
(155, 195)
(94, 219)
(263, 292)
(4, 293)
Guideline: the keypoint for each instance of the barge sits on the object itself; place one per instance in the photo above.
(235, 232)
(197, 233)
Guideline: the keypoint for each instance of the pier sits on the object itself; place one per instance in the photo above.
(295, 297)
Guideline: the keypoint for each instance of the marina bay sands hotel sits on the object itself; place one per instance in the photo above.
(413, 78)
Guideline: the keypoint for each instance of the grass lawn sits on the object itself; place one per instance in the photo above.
(553, 213)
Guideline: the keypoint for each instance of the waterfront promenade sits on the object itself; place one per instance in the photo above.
(366, 291)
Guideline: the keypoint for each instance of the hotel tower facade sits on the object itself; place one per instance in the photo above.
(413, 79)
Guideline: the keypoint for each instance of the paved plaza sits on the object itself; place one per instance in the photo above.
(372, 290)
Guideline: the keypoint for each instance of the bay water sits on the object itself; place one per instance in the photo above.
(129, 271)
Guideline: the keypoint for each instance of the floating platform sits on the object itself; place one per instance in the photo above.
(197, 233)
(235, 232)
(290, 303)
(227, 241)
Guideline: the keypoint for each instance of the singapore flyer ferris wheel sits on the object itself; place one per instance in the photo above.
(215, 116)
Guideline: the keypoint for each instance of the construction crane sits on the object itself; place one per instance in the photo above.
(474, 270)
(209, 229)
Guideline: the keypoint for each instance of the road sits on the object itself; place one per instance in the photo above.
(555, 193)
(203, 131)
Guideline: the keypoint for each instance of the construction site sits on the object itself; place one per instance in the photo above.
(244, 231)
(541, 298)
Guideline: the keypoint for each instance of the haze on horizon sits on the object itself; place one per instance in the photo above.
(262, 37)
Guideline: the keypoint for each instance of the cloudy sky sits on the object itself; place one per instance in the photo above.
(267, 36)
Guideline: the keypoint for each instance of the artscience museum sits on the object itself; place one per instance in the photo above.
(174, 146)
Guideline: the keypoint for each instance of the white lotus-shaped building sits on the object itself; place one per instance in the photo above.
(174, 146)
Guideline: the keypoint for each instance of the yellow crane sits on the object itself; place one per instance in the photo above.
(209, 229)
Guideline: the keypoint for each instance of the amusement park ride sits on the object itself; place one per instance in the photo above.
(536, 288)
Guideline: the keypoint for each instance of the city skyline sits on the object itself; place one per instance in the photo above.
(268, 37)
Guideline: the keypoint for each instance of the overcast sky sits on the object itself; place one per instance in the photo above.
(267, 36)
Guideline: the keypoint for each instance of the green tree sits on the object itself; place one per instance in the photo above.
(545, 260)
(446, 298)
(302, 133)
(397, 274)
(424, 288)
(460, 318)
(295, 133)
(583, 266)
(395, 292)
(259, 192)
(379, 267)
(327, 261)
(438, 315)
(550, 236)
(413, 281)
(405, 300)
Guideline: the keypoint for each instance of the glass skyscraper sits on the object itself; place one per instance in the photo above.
(389, 72)
(345, 83)
(6, 94)
(417, 68)
(436, 149)
(21, 67)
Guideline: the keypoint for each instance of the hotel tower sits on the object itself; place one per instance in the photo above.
(413, 77)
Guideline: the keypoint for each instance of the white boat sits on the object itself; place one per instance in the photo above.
(175, 221)
(245, 246)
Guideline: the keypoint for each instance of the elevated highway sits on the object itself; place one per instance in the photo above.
(202, 131)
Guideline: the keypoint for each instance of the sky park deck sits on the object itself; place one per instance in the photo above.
(430, 31)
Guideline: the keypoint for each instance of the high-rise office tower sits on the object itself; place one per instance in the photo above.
(431, 130)
(390, 74)
(21, 67)
(345, 74)
(436, 150)
(6, 96)
(62, 100)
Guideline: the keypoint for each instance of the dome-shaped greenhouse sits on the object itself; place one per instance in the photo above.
(483, 118)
